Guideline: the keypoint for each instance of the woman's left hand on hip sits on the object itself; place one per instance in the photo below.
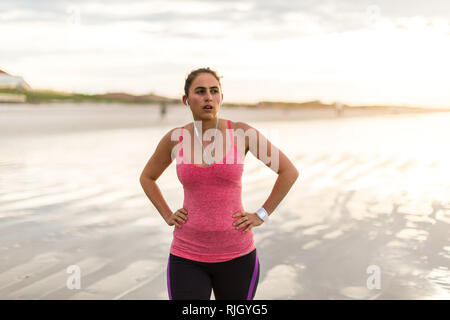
(246, 219)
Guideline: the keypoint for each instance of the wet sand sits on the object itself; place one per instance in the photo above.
(372, 191)
(68, 117)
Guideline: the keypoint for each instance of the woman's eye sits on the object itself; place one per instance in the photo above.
(203, 91)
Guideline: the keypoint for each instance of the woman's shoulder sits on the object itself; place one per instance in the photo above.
(186, 126)
(172, 136)
(240, 125)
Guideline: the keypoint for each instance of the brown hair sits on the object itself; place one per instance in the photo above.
(194, 73)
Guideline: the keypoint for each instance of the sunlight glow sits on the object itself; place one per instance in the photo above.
(151, 46)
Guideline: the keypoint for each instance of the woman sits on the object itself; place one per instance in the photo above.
(213, 247)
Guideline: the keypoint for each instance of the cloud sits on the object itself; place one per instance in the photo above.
(282, 18)
(311, 47)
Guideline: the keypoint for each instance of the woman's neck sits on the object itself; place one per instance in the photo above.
(207, 124)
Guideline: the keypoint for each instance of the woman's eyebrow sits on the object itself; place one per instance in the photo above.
(214, 87)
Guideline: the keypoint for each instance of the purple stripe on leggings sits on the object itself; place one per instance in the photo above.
(168, 279)
(252, 284)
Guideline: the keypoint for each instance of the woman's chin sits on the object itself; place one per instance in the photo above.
(207, 116)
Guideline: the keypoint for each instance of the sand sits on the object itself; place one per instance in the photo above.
(372, 192)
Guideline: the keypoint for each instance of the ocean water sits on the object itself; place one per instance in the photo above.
(372, 191)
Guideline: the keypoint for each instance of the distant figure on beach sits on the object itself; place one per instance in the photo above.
(213, 247)
(163, 110)
(339, 109)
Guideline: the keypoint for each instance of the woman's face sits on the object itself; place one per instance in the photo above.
(204, 97)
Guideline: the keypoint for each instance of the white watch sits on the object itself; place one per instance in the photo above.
(262, 214)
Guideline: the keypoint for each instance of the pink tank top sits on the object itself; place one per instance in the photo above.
(212, 195)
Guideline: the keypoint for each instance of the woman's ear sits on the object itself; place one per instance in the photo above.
(185, 101)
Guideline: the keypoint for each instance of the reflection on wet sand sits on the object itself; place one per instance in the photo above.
(385, 222)
(381, 199)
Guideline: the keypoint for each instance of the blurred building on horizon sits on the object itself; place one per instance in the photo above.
(8, 81)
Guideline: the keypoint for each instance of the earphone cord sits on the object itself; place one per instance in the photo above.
(215, 132)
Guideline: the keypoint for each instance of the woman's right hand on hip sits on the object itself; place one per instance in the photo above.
(177, 218)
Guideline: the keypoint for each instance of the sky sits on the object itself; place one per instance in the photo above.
(356, 52)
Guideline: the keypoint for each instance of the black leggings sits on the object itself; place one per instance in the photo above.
(235, 279)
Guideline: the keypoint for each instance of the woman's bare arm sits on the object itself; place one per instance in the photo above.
(159, 161)
(277, 161)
